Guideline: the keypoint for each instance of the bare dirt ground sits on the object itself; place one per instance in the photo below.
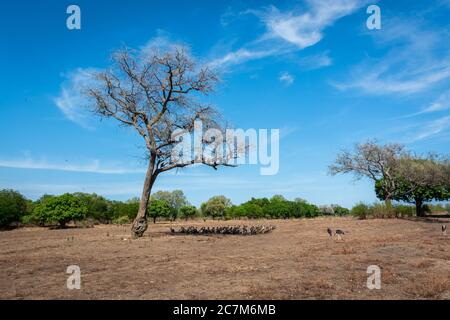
(298, 260)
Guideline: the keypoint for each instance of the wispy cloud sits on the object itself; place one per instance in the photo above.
(315, 61)
(72, 100)
(290, 31)
(287, 78)
(432, 129)
(440, 104)
(240, 56)
(306, 29)
(414, 61)
(94, 166)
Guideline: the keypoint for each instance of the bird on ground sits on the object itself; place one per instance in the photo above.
(444, 230)
(330, 232)
(339, 234)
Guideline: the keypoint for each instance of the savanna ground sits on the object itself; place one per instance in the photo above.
(297, 260)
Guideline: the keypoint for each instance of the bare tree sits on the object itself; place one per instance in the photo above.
(374, 161)
(156, 93)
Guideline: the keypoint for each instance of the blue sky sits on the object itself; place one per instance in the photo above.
(310, 68)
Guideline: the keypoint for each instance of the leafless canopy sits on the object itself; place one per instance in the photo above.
(377, 162)
(157, 94)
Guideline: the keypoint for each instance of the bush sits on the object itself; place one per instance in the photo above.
(60, 209)
(404, 211)
(340, 211)
(361, 211)
(188, 212)
(381, 211)
(122, 220)
(12, 207)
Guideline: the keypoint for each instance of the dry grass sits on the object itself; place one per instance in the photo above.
(298, 260)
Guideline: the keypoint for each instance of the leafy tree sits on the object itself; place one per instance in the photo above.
(99, 208)
(419, 180)
(304, 209)
(128, 208)
(216, 207)
(418, 195)
(188, 211)
(158, 208)
(61, 209)
(278, 207)
(12, 207)
(176, 199)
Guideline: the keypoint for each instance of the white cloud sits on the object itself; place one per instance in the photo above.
(315, 61)
(440, 104)
(433, 128)
(42, 164)
(413, 63)
(287, 78)
(290, 31)
(306, 29)
(72, 100)
(240, 56)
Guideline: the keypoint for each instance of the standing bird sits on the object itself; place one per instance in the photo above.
(444, 230)
(339, 234)
(330, 232)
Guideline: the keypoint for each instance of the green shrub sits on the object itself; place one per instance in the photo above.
(340, 211)
(60, 209)
(12, 207)
(381, 211)
(404, 211)
(122, 220)
(361, 211)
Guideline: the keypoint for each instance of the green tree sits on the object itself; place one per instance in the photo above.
(12, 207)
(188, 211)
(419, 179)
(216, 207)
(419, 195)
(278, 207)
(60, 209)
(157, 209)
(121, 209)
(176, 199)
(99, 208)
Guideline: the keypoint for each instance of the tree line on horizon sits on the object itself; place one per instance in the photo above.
(87, 209)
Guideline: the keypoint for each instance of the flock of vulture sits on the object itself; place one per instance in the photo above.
(252, 230)
(239, 230)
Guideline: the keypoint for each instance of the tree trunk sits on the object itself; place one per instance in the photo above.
(419, 208)
(140, 224)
